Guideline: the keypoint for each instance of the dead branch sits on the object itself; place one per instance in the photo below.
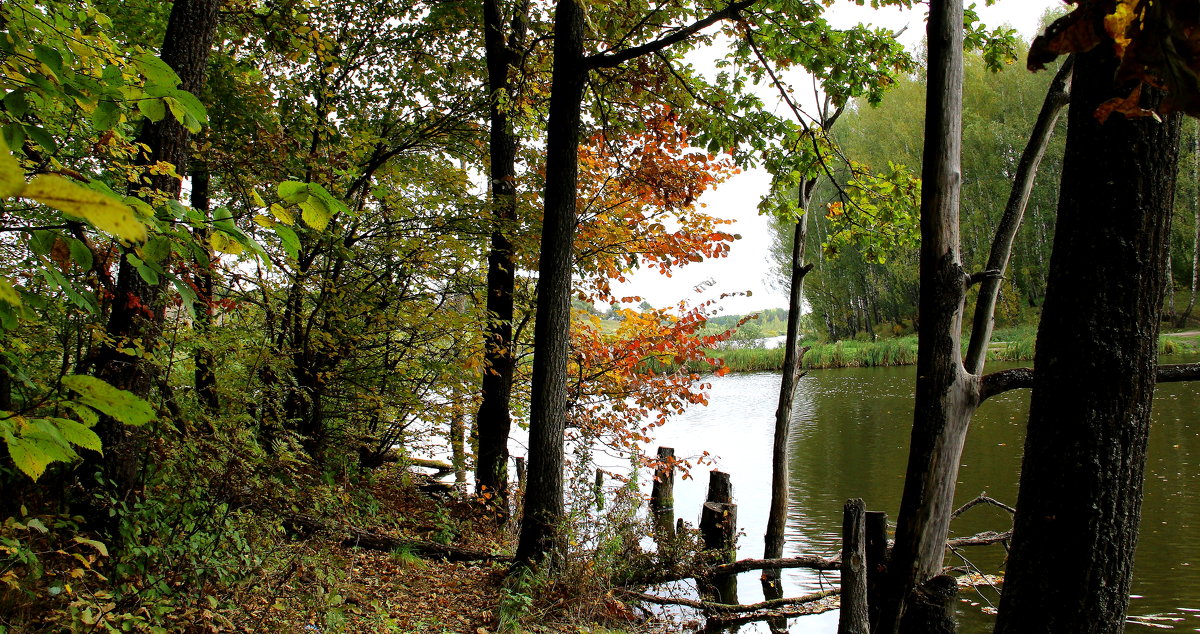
(711, 606)
(985, 538)
(810, 561)
(982, 498)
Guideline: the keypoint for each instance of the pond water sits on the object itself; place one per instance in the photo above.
(849, 439)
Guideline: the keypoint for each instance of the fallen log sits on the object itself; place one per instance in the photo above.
(712, 606)
(354, 537)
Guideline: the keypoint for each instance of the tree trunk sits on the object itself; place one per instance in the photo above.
(138, 308)
(494, 420)
(1081, 478)
(945, 393)
(548, 412)
(793, 354)
(948, 389)
(1195, 163)
(205, 374)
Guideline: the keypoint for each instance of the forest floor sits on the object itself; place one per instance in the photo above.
(402, 592)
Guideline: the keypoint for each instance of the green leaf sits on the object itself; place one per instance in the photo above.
(293, 192)
(49, 57)
(42, 242)
(155, 70)
(12, 177)
(16, 104)
(8, 294)
(291, 242)
(152, 109)
(191, 105)
(188, 296)
(42, 138)
(156, 249)
(37, 525)
(77, 434)
(121, 405)
(81, 254)
(106, 213)
(31, 460)
(106, 116)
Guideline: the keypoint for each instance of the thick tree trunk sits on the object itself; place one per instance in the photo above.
(494, 420)
(1081, 478)
(137, 314)
(548, 412)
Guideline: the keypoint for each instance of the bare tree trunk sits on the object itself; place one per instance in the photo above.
(1082, 474)
(494, 421)
(945, 392)
(793, 354)
(205, 375)
(948, 388)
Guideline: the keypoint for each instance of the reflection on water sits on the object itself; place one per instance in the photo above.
(850, 439)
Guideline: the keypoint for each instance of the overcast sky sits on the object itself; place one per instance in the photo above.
(748, 267)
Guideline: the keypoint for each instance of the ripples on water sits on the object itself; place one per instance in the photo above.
(850, 439)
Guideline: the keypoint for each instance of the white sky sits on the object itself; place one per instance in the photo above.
(748, 268)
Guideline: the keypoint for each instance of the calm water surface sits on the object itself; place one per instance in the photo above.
(850, 439)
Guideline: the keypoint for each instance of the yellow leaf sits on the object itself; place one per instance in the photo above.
(106, 213)
(221, 242)
(12, 177)
(256, 198)
(264, 221)
(314, 214)
(8, 293)
(282, 215)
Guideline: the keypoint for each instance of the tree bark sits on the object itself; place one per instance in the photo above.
(494, 420)
(945, 392)
(949, 388)
(205, 373)
(138, 308)
(544, 494)
(793, 354)
(1081, 478)
(853, 618)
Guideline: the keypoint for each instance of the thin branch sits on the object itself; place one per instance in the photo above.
(616, 58)
(982, 498)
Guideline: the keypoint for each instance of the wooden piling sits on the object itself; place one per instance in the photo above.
(854, 618)
(662, 495)
(718, 528)
(877, 556)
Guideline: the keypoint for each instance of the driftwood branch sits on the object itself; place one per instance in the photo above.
(811, 561)
(986, 538)
(982, 498)
(711, 606)
(353, 537)
(1018, 378)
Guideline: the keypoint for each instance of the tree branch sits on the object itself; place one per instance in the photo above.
(710, 606)
(616, 58)
(1018, 378)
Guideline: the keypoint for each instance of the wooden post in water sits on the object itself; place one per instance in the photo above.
(718, 527)
(662, 495)
(877, 555)
(853, 618)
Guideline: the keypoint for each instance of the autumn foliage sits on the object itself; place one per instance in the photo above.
(1156, 41)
